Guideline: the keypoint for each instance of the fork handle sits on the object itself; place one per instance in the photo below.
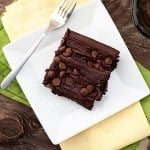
(9, 78)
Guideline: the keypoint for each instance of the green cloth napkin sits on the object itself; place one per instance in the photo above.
(15, 93)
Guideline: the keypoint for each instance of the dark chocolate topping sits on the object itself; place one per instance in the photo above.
(81, 69)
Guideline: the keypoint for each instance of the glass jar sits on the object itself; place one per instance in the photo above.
(141, 16)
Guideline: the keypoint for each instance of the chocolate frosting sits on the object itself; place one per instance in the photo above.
(71, 76)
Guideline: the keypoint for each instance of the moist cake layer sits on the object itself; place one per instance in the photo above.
(80, 69)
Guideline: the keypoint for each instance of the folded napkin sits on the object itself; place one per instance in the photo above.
(124, 128)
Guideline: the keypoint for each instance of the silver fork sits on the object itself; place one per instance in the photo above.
(58, 18)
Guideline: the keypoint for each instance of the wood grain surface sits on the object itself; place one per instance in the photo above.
(121, 14)
(19, 127)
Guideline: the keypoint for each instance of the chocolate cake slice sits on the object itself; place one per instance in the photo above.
(80, 69)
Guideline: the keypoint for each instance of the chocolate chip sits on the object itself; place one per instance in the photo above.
(84, 91)
(68, 50)
(94, 54)
(90, 88)
(62, 74)
(75, 72)
(108, 61)
(62, 48)
(62, 66)
(90, 64)
(66, 54)
(50, 74)
(57, 59)
(56, 81)
(69, 81)
(97, 65)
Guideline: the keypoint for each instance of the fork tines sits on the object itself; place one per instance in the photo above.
(66, 7)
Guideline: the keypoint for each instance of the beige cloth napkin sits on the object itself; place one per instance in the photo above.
(120, 130)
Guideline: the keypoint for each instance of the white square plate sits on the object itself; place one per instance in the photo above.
(62, 118)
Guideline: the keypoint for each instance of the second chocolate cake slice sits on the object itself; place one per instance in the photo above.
(80, 69)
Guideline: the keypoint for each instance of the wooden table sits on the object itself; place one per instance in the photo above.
(19, 124)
